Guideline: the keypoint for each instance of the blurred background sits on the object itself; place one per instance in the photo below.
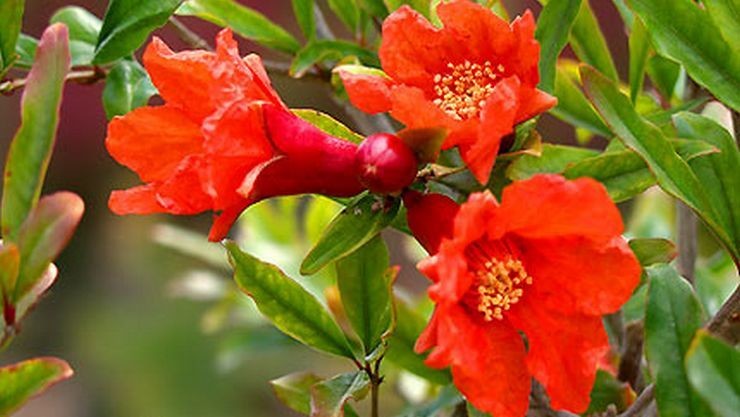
(151, 330)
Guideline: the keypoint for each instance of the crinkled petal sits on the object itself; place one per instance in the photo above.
(261, 79)
(411, 107)
(523, 60)
(564, 351)
(550, 206)
(183, 193)
(369, 93)
(483, 35)
(153, 141)
(533, 102)
(577, 275)
(136, 200)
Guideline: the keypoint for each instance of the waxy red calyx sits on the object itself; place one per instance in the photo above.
(384, 164)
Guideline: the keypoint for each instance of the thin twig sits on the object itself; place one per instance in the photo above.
(726, 323)
(642, 403)
(87, 76)
(188, 36)
(629, 366)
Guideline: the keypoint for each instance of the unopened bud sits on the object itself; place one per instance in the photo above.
(384, 164)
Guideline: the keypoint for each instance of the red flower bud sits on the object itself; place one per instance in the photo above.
(384, 164)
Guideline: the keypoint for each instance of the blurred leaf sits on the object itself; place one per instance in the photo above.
(666, 115)
(320, 51)
(409, 325)
(127, 87)
(672, 317)
(664, 74)
(366, 291)
(609, 390)
(289, 306)
(573, 107)
(474, 412)
(10, 260)
(347, 11)
(303, 12)
(20, 382)
(716, 279)
(328, 124)
(83, 25)
(244, 21)
(682, 31)
(653, 251)
(375, 8)
(127, 24)
(726, 17)
(359, 222)
(10, 29)
(625, 12)
(713, 369)
(329, 397)
(447, 398)
(426, 143)
(720, 170)
(672, 173)
(639, 46)
(589, 44)
(44, 234)
(190, 244)
(421, 6)
(554, 159)
(294, 390)
(30, 151)
(553, 27)
(26, 50)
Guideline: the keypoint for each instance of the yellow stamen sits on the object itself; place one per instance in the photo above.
(462, 91)
(498, 284)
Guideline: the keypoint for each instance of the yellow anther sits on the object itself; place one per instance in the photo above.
(462, 91)
(498, 285)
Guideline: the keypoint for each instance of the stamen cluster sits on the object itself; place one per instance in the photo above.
(499, 284)
(462, 92)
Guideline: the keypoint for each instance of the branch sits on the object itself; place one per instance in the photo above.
(188, 36)
(87, 76)
(726, 323)
(643, 403)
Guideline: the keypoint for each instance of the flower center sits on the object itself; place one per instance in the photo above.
(499, 282)
(462, 91)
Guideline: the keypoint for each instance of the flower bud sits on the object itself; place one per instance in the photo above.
(384, 164)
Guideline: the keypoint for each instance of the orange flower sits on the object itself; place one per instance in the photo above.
(223, 140)
(547, 261)
(476, 76)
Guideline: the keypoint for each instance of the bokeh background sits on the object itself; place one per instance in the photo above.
(146, 336)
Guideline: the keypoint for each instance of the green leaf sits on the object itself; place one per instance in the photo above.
(328, 124)
(589, 44)
(303, 11)
(553, 27)
(375, 8)
(29, 154)
(573, 107)
(366, 291)
(347, 11)
(10, 29)
(244, 21)
(127, 87)
(719, 170)
(639, 46)
(329, 397)
(286, 304)
(359, 222)
(664, 75)
(608, 390)
(83, 25)
(20, 382)
(329, 50)
(10, 260)
(409, 325)
(553, 159)
(421, 6)
(294, 390)
(680, 30)
(672, 317)
(672, 173)
(713, 369)
(653, 251)
(726, 17)
(127, 24)
(44, 234)
(26, 50)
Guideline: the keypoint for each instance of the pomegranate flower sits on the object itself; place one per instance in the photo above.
(223, 140)
(545, 263)
(476, 76)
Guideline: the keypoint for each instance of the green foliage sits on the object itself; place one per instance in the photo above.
(294, 390)
(328, 398)
(304, 15)
(650, 251)
(328, 124)
(553, 28)
(573, 107)
(127, 24)
(726, 17)
(713, 369)
(320, 51)
(127, 87)
(84, 29)
(639, 45)
(25, 48)
(244, 21)
(608, 390)
(10, 29)
(286, 304)
(552, 159)
(348, 12)
(29, 154)
(589, 44)
(20, 382)
(422, 6)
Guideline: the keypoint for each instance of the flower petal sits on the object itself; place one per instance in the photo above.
(550, 206)
(577, 275)
(483, 35)
(182, 192)
(430, 217)
(369, 93)
(411, 107)
(533, 102)
(523, 61)
(136, 200)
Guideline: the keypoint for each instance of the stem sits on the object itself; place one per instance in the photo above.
(374, 398)
(87, 76)
(726, 323)
(188, 36)
(686, 225)
(642, 403)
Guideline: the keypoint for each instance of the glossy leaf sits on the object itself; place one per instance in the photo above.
(294, 390)
(553, 159)
(684, 32)
(10, 261)
(243, 20)
(726, 16)
(329, 50)
(328, 124)
(639, 46)
(652, 251)
(664, 75)
(304, 15)
(83, 25)
(713, 369)
(720, 170)
(10, 29)
(553, 28)
(359, 222)
(26, 50)
(329, 397)
(127, 87)
(366, 291)
(127, 24)
(20, 382)
(286, 304)
(44, 234)
(573, 107)
(421, 6)
(347, 11)
(589, 44)
(30, 151)
(672, 317)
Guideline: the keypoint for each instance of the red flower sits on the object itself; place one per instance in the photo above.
(476, 76)
(547, 261)
(223, 140)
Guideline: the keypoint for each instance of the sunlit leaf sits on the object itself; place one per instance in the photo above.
(10, 29)
(553, 28)
(713, 369)
(329, 397)
(726, 16)
(294, 390)
(573, 107)
(304, 15)
(328, 124)
(589, 44)
(20, 382)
